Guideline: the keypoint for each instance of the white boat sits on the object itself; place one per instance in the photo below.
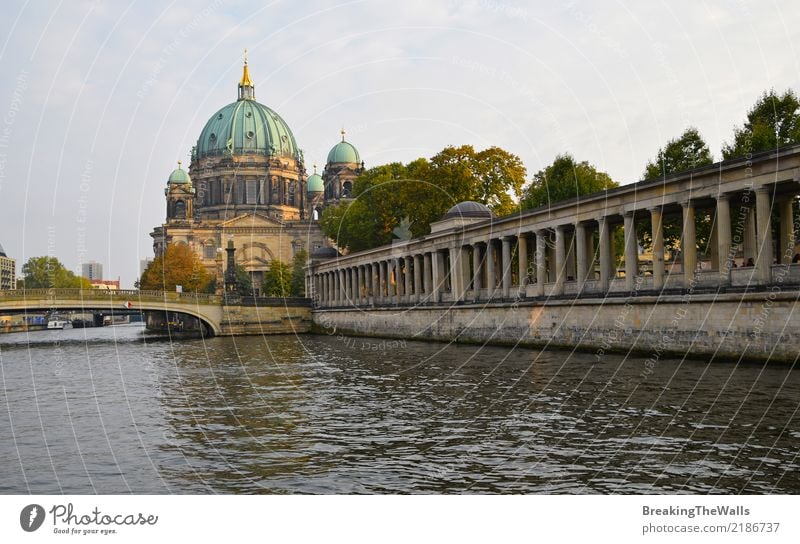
(57, 323)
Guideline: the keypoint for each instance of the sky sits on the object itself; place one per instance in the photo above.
(99, 99)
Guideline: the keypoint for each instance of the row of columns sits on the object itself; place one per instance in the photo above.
(487, 273)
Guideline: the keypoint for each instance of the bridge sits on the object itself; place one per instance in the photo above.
(215, 315)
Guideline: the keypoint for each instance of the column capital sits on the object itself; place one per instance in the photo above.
(763, 189)
(723, 197)
(657, 209)
(688, 203)
(628, 213)
(506, 238)
(541, 232)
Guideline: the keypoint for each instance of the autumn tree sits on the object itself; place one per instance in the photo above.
(773, 121)
(565, 178)
(49, 273)
(277, 280)
(177, 265)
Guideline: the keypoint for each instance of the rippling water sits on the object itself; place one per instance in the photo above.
(114, 411)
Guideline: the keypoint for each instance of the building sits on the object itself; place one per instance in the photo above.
(107, 285)
(247, 183)
(92, 270)
(143, 264)
(8, 271)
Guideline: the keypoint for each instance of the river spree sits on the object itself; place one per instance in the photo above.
(114, 411)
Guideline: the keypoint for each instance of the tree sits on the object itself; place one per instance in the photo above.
(277, 280)
(298, 282)
(244, 284)
(49, 273)
(420, 192)
(773, 121)
(564, 179)
(683, 153)
(178, 265)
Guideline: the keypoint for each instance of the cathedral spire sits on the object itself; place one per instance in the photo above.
(246, 87)
(343, 133)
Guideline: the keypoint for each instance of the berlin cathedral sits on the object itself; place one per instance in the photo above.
(247, 183)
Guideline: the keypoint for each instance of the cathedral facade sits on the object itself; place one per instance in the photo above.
(247, 183)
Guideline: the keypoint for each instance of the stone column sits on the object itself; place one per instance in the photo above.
(580, 256)
(399, 280)
(657, 235)
(427, 273)
(522, 255)
(476, 269)
(417, 278)
(763, 235)
(787, 237)
(437, 260)
(749, 250)
(631, 255)
(381, 282)
(605, 254)
(689, 243)
(491, 270)
(541, 269)
(408, 277)
(456, 274)
(561, 261)
(342, 287)
(376, 283)
(506, 243)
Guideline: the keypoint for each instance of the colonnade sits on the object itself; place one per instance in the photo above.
(534, 255)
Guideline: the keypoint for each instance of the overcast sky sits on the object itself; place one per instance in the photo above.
(99, 99)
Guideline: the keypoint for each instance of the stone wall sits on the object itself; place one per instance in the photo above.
(275, 319)
(754, 326)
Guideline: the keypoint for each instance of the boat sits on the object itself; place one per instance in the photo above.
(56, 323)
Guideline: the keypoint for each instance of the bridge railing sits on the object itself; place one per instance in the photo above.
(106, 294)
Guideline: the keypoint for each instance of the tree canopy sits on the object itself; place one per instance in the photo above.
(565, 178)
(683, 153)
(49, 273)
(420, 192)
(773, 121)
(178, 265)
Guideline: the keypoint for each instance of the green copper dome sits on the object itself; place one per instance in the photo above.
(343, 152)
(179, 176)
(314, 183)
(243, 127)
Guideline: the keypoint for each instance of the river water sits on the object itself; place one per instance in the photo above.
(113, 410)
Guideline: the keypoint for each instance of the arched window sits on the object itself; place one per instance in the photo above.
(209, 251)
(347, 189)
(180, 210)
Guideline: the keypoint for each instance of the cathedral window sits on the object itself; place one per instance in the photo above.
(209, 252)
(347, 189)
(251, 191)
(180, 210)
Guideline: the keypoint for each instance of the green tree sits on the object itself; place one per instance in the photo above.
(49, 273)
(420, 192)
(178, 265)
(564, 179)
(277, 280)
(773, 121)
(298, 283)
(244, 282)
(683, 153)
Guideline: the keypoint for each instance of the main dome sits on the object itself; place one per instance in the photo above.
(246, 127)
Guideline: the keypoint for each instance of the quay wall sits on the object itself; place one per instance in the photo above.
(750, 326)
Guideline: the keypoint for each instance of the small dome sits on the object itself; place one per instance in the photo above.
(469, 208)
(324, 253)
(343, 152)
(179, 175)
(314, 183)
